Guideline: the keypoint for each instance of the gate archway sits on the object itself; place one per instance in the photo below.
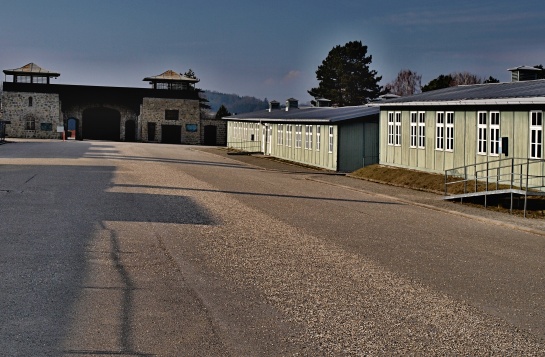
(101, 124)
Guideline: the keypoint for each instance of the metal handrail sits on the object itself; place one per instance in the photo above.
(517, 175)
(246, 146)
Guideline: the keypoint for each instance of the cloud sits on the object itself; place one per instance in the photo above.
(293, 74)
(270, 81)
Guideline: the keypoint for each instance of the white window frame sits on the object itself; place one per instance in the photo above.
(391, 122)
(298, 135)
(449, 131)
(494, 133)
(397, 138)
(414, 130)
(289, 130)
(330, 139)
(280, 134)
(421, 130)
(536, 134)
(440, 131)
(482, 139)
(308, 137)
(318, 135)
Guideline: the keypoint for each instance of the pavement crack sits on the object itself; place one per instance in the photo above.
(30, 179)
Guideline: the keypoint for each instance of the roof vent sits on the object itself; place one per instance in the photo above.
(292, 104)
(524, 73)
(322, 102)
(273, 105)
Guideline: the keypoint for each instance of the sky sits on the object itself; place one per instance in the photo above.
(266, 49)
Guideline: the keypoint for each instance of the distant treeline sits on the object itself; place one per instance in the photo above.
(234, 103)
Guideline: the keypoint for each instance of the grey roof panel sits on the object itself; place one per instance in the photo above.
(312, 114)
(508, 90)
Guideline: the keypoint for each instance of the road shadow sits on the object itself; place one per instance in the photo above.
(48, 216)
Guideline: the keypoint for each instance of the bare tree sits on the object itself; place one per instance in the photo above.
(464, 78)
(407, 82)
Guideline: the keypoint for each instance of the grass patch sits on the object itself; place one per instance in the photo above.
(432, 182)
(417, 180)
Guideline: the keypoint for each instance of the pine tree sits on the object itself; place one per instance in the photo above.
(345, 78)
(222, 112)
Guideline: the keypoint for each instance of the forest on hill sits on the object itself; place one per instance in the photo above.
(234, 102)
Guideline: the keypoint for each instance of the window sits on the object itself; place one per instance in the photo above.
(440, 131)
(421, 130)
(40, 80)
(24, 79)
(318, 141)
(298, 135)
(308, 137)
(397, 139)
(280, 134)
(30, 101)
(30, 123)
(536, 134)
(390, 128)
(330, 139)
(172, 114)
(494, 133)
(414, 129)
(449, 132)
(481, 133)
(288, 134)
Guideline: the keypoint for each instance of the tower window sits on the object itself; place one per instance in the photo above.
(172, 114)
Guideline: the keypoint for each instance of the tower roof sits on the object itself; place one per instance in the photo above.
(170, 76)
(31, 69)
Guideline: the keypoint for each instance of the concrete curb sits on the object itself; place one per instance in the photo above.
(435, 208)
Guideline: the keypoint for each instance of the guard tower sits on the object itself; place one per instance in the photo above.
(172, 81)
(30, 73)
(30, 103)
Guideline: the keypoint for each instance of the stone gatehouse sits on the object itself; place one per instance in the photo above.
(167, 112)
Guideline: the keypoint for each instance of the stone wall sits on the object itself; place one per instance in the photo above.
(32, 115)
(221, 130)
(153, 111)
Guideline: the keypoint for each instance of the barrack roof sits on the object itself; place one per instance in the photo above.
(170, 76)
(31, 69)
(525, 92)
(308, 114)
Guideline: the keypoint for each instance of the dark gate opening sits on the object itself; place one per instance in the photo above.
(210, 135)
(101, 124)
(73, 129)
(151, 131)
(171, 134)
(130, 130)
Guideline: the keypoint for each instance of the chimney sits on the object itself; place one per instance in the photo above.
(524, 73)
(274, 105)
(292, 104)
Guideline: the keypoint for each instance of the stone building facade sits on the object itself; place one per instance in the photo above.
(214, 132)
(167, 112)
(38, 114)
(170, 119)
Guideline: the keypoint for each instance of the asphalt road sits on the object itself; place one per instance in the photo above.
(161, 250)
